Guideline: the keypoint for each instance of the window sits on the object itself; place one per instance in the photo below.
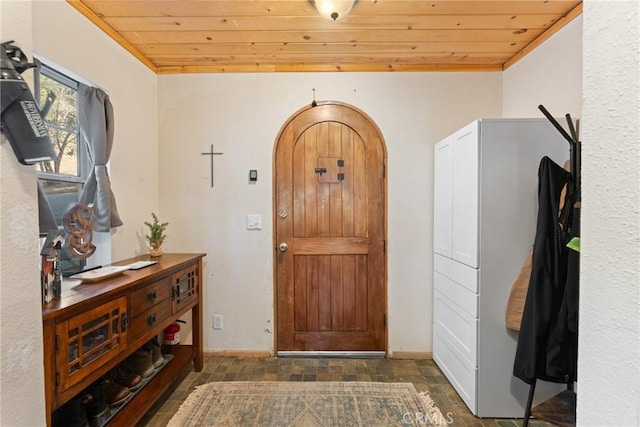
(62, 179)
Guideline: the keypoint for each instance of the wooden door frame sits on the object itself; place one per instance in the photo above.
(275, 213)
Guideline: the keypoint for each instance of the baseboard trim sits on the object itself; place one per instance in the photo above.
(334, 354)
(416, 355)
(237, 353)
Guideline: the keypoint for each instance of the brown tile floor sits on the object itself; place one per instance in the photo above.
(424, 374)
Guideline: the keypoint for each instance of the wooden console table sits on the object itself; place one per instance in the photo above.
(95, 326)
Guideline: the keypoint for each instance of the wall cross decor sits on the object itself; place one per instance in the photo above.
(211, 154)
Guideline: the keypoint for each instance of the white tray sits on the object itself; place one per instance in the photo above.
(100, 273)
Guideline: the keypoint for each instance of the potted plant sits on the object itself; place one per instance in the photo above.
(156, 234)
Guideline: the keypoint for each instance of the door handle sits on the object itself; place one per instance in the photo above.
(283, 247)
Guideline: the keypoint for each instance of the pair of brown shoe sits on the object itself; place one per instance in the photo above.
(119, 383)
(146, 359)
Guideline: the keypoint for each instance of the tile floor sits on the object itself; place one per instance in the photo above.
(424, 374)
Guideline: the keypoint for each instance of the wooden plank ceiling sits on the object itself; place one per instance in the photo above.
(192, 36)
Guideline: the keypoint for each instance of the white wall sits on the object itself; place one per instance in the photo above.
(56, 31)
(609, 348)
(64, 36)
(241, 115)
(609, 353)
(550, 75)
(21, 367)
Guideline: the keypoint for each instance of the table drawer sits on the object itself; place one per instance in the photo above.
(149, 319)
(148, 296)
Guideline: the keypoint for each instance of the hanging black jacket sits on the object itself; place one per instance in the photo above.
(537, 354)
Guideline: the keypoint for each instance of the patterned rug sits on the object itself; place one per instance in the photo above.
(307, 404)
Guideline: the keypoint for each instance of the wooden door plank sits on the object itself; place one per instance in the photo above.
(335, 190)
(350, 303)
(347, 185)
(361, 292)
(299, 187)
(284, 229)
(300, 293)
(324, 224)
(324, 293)
(337, 304)
(360, 188)
(310, 211)
(313, 294)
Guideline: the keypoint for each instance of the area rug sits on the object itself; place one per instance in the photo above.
(307, 404)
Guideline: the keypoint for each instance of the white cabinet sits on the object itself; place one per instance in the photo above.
(485, 210)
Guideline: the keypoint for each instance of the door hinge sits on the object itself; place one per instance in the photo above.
(384, 320)
(384, 246)
(57, 344)
(57, 379)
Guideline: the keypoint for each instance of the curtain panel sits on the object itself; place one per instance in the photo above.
(96, 129)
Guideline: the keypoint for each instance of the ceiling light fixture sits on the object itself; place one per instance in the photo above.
(333, 9)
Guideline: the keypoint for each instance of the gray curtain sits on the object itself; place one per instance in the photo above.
(46, 219)
(96, 129)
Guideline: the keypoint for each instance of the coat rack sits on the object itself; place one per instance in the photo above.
(574, 190)
(574, 150)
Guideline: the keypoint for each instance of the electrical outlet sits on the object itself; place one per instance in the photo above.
(217, 321)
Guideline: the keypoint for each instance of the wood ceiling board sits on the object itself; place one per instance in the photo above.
(380, 34)
(111, 8)
(391, 22)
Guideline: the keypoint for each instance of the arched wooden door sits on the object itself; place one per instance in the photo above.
(330, 231)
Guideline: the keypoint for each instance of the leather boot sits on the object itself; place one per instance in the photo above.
(156, 353)
(73, 413)
(122, 375)
(140, 362)
(114, 393)
(97, 408)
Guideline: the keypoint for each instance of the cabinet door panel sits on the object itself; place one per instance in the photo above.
(89, 340)
(442, 197)
(184, 289)
(465, 195)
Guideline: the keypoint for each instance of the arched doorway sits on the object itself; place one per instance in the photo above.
(330, 232)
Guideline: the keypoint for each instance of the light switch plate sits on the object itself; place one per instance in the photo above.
(254, 222)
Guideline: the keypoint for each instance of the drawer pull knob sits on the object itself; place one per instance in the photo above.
(151, 320)
(151, 296)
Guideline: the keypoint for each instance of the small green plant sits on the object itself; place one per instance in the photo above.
(156, 231)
